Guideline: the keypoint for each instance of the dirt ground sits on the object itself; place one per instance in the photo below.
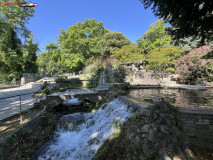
(10, 124)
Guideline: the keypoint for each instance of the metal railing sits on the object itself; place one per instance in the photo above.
(17, 101)
(10, 84)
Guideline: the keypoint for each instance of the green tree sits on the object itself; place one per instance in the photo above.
(155, 37)
(11, 55)
(30, 56)
(43, 60)
(163, 59)
(17, 17)
(128, 53)
(112, 41)
(188, 18)
(72, 62)
(82, 38)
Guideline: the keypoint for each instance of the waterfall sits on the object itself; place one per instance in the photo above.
(80, 135)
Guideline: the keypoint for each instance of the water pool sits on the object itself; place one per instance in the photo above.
(179, 97)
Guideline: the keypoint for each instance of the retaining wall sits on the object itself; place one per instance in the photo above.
(198, 125)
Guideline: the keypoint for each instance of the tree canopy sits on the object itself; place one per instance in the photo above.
(112, 41)
(82, 38)
(128, 53)
(163, 59)
(155, 37)
(188, 18)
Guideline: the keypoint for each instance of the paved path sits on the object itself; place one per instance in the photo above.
(11, 106)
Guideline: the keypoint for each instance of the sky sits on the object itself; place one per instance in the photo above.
(126, 16)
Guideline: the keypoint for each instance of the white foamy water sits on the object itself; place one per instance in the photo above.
(79, 136)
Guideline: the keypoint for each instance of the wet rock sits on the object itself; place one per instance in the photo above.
(160, 134)
(175, 131)
(164, 129)
(145, 135)
(145, 147)
(171, 116)
(155, 116)
(146, 128)
(162, 115)
(170, 148)
(157, 146)
(163, 155)
(173, 139)
(153, 134)
(183, 138)
(168, 122)
(161, 121)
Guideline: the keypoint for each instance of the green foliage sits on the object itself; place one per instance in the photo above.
(30, 56)
(11, 55)
(155, 37)
(131, 79)
(46, 91)
(128, 53)
(112, 41)
(95, 77)
(17, 22)
(82, 38)
(16, 58)
(163, 59)
(69, 83)
(72, 62)
(89, 69)
(188, 18)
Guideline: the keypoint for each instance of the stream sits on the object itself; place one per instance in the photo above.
(79, 135)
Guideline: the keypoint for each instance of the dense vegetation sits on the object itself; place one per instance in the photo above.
(16, 56)
(88, 44)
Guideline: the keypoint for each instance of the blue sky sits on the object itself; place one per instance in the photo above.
(126, 16)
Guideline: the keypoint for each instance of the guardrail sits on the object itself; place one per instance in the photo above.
(16, 101)
(10, 84)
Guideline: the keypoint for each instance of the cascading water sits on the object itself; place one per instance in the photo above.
(80, 135)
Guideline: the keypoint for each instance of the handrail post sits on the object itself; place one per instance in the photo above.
(20, 102)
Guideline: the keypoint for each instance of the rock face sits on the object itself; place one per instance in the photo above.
(161, 134)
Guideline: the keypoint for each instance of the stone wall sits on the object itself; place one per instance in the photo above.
(198, 125)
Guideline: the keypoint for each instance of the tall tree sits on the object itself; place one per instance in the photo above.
(163, 59)
(128, 53)
(155, 37)
(82, 38)
(187, 17)
(11, 55)
(112, 41)
(30, 56)
(17, 17)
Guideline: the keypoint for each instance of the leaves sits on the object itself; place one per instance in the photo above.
(155, 37)
(128, 54)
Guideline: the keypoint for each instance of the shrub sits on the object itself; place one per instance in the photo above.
(69, 83)
(46, 91)
(193, 68)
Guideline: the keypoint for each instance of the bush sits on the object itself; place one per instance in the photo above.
(90, 69)
(69, 83)
(46, 91)
(193, 68)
